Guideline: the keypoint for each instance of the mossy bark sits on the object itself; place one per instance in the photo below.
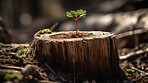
(94, 57)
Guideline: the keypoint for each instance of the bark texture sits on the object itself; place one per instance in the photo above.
(94, 57)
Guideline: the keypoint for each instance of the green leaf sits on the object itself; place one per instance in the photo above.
(81, 11)
(74, 12)
(83, 16)
(68, 14)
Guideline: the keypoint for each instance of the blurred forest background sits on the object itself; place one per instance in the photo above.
(21, 19)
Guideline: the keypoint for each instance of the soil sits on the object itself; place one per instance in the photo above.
(72, 35)
(18, 55)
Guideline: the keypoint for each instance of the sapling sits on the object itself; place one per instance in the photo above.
(76, 15)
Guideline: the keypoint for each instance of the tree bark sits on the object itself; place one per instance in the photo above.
(94, 57)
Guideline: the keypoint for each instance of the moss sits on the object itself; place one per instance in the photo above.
(43, 32)
(26, 53)
(23, 52)
(129, 70)
(11, 76)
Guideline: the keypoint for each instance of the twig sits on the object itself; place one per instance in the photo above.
(53, 26)
(50, 69)
(133, 54)
(4, 51)
(132, 67)
(61, 78)
(8, 71)
(139, 70)
(129, 33)
(10, 67)
(17, 57)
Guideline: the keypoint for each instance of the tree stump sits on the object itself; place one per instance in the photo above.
(94, 57)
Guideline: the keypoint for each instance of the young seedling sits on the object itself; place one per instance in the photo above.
(76, 15)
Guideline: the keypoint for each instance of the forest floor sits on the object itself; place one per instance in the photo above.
(18, 64)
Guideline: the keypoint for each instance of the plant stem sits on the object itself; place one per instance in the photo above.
(76, 27)
(76, 19)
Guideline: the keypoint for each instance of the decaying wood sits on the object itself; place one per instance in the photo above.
(30, 70)
(8, 71)
(133, 54)
(127, 40)
(136, 32)
(10, 67)
(19, 45)
(94, 57)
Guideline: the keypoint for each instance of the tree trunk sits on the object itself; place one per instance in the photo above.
(94, 57)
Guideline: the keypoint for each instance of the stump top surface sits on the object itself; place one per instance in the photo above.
(96, 34)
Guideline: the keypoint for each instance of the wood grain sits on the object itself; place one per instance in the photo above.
(94, 57)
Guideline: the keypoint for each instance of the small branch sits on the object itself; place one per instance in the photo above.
(50, 69)
(132, 67)
(129, 33)
(17, 57)
(78, 18)
(133, 54)
(74, 18)
(8, 71)
(139, 70)
(4, 51)
(59, 77)
(10, 67)
(53, 26)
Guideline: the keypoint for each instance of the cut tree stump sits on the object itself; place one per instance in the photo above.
(94, 57)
